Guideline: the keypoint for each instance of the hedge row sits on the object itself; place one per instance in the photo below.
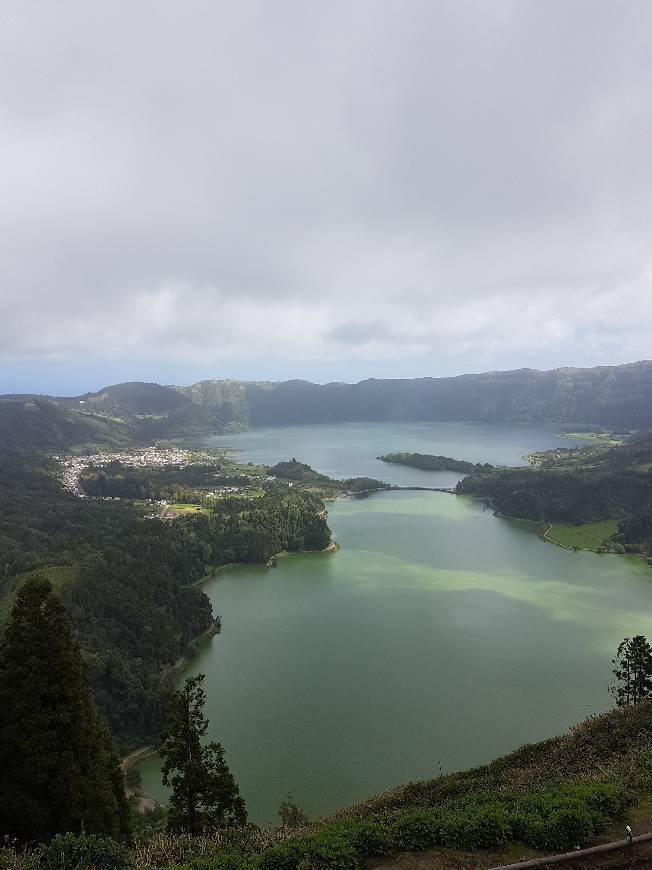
(547, 821)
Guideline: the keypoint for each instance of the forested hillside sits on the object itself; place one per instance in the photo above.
(120, 415)
(127, 581)
(225, 401)
(149, 411)
(614, 396)
(42, 424)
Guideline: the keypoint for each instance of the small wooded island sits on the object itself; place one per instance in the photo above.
(428, 462)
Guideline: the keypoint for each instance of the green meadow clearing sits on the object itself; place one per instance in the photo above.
(588, 536)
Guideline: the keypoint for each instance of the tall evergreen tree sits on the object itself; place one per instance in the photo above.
(204, 792)
(58, 769)
(632, 671)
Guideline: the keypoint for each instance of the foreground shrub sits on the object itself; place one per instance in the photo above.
(10, 859)
(170, 851)
(611, 799)
(285, 855)
(417, 830)
(527, 827)
(72, 852)
(568, 826)
(550, 821)
(333, 850)
(370, 838)
(228, 860)
(485, 828)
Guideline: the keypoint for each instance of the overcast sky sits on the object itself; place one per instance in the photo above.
(330, 190)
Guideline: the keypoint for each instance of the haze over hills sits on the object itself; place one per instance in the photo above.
(606, 396)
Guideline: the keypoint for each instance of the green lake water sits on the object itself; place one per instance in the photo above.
(438, 637)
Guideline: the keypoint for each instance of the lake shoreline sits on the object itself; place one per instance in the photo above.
(181, 664)
(544, 529)
(137, 755)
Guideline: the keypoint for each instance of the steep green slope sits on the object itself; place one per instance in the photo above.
(224, 401)
(614, 396)
(548, 797)
(117, 416)
(149, 411)
(128, 401)
(42, 424)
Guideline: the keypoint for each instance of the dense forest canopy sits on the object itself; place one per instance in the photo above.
(127, 581)
(41, 424)
(117, 480)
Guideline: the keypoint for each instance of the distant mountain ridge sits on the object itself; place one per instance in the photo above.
(137, 412)
(618, 396)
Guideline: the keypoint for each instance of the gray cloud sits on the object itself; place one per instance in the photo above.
(460, 184)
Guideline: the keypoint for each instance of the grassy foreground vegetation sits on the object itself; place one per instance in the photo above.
(548, 796)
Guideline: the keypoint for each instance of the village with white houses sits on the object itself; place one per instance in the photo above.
(72, 468)
(146, 457)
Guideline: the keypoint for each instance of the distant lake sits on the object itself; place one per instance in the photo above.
(351, 449)
(438, 637)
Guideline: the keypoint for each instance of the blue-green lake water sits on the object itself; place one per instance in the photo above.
(437, 637)
(351, 449)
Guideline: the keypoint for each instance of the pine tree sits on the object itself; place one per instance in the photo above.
(204, 793)
(632, 671)
(58, 769)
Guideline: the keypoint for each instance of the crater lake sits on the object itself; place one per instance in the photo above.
(436, 638)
